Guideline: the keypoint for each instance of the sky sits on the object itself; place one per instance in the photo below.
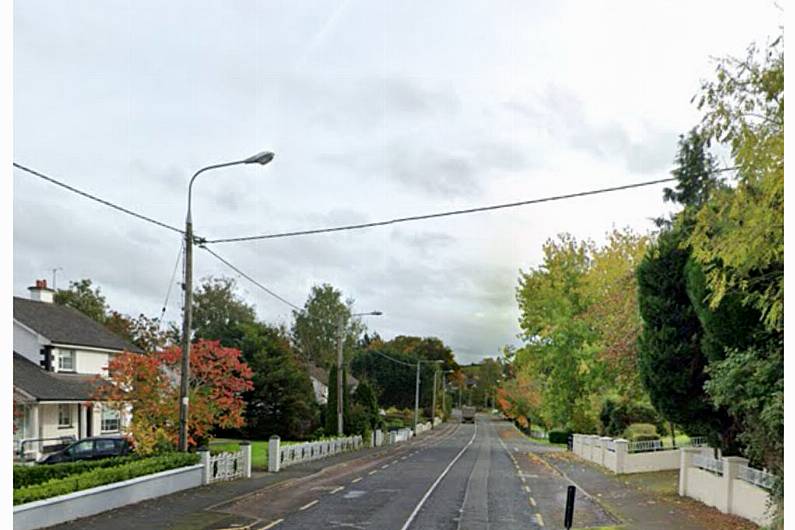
(374, 110)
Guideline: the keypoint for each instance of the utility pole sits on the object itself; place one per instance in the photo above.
(54, 276)
(417, 398)
(340, 382)
(433, 405)
(187, 315)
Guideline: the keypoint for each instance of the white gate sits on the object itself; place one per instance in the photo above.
(226, 466)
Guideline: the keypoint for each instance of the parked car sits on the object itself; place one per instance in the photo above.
(90, 449)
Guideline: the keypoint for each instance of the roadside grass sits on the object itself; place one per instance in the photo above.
(259, 450)
(544, 441)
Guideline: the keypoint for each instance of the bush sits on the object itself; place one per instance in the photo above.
(558, 437)
(36, 474)
(99, 476)
(616, 416)
(638, 432)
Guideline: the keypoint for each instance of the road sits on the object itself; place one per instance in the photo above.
(460, 476)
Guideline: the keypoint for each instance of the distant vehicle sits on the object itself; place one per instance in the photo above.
(468, 414)
(90, 449)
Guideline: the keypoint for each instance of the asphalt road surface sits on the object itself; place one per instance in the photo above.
(460, 476)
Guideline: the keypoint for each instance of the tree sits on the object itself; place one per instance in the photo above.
(315, 328)
(282, 400)
(671, 362)
(148, 383)
(330, 427)
(364, 395)
(146, 333)
(81, 295)
(219, 312)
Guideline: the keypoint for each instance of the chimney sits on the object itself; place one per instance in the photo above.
(41, 293)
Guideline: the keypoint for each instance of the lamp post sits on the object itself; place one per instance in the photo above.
(417, 393)
(187, 316)
(444, 390)
(340, 383)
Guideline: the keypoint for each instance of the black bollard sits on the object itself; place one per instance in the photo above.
(568, 517)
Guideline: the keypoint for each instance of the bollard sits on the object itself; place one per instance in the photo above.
(245, 448)
(568, 517)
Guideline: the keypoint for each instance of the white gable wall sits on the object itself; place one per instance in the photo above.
(27, 343)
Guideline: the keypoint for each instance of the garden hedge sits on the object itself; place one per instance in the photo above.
(99, 476)
(36, 474)
(558, 437)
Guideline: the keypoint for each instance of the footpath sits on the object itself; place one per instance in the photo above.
(193, 509)
(647, 501)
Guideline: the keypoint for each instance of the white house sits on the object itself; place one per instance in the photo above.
(319, 378)
(58, 354)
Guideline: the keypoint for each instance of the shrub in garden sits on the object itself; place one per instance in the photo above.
(638, 432)
(29, 475)
(558, 437)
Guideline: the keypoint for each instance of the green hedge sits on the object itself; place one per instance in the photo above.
(558, 437)
(36, 474)
(99, 476)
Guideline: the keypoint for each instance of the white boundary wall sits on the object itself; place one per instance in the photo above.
(56, 510)
(614, 455)
(724, 490)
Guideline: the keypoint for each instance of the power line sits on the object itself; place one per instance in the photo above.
(252, 280)
(393, 359)
(171, 281)
(440, 214)
(97, 199)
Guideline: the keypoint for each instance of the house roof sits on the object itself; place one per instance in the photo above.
(49, 386)
(65, 325)
(321, 374)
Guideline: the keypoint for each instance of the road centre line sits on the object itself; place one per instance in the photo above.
(539, 519)
(272, 524)
(428, 493)
(373, 472)
(532, 501)
(309, 505)
(385, 466)
(335, 490)
(357, 479)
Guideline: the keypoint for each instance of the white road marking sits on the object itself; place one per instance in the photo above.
(309, 505)
(271, 525)
(438, 480)
(539, 519)
(357, 479)
(394, 461)
(532, 501)
(373, 472)
(526, 488)
(385, 466)
(335, 490)
(402, 457)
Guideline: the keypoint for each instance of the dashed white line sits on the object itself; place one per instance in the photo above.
(532, 501)
(526, 488)
(402, 457)
(335, 490)
(357, 479)
(309, 505)
(539, 519)
(373, 472)
(394, 461)
(272, 524)
(385, 466)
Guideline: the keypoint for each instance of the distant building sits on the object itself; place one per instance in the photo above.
(319, 377)
(59, 354)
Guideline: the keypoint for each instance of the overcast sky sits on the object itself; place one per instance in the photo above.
(374, 110)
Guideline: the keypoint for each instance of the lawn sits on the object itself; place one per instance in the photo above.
(259, 450)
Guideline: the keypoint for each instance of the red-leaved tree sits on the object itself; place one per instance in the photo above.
(148, 384)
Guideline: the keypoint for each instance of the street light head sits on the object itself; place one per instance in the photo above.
(376, 313)
(260, 158)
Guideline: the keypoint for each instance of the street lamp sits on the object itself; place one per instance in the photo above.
(417, 393)
(444, 390)
(340, 382)
(260, 158)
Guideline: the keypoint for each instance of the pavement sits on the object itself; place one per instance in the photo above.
(457, 477)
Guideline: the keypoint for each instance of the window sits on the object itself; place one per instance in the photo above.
(66, 361)
(110, 420)
(81, 449)
(64, 416)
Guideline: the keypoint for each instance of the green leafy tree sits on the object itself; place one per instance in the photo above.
(315, 328)
(84, 297)
(219, 311)
(282, 400)
(330, 426)
(364, 395)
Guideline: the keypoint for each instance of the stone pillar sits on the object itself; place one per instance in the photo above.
(731, 466)
(686, 455)
(622, 450)
(82, 410)
(245, 447)
(603, 443)
(204, 459)
(273, 454)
